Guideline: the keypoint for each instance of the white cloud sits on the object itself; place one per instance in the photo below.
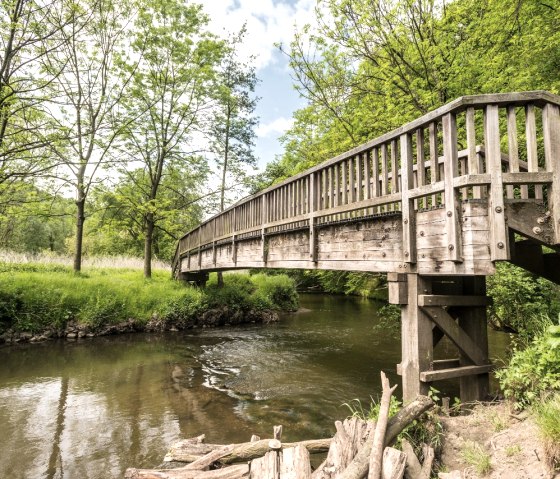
(268, 22)
(276, 127)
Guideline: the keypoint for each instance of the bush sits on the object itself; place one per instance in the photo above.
(547, 417)
(184, 310)
(278, 292)
(533, 373)
(522, 303)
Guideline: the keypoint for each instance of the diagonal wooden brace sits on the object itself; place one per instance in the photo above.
(456, 334)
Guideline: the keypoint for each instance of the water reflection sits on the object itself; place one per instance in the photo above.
(93, 408)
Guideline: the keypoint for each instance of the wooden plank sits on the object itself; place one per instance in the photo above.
(551, 133)
(452, 330)
(420, 162)
(336, 185)
(499, 249)
(453, 300)
(384, 171)
(532, 150)
(352, 179)
(368, 169)
(394, 463)
(434, 158)
(375, 174)
(359, 178)
(407, 206)
(344, 185)
(473, 161)
(513, 150)
(312, 200)
(542, 178)
(438, 364)
(394, 168)
(428, 376)
(452, 205)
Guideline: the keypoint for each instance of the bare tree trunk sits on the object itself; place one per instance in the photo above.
(148, 240)
(80, 219)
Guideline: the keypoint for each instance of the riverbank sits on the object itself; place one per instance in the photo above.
(40, 302)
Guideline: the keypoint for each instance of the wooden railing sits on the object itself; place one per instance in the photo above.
(498, 147)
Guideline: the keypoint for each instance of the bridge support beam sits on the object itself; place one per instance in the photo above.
(437, 307)
(199, 278)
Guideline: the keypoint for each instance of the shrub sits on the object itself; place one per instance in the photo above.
(278, 292)
(184, 310)
(547, 417)
(534, 372)
(521, 302)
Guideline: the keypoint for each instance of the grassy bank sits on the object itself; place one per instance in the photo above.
(35, 298)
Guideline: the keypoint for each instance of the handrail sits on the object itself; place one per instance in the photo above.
(392, 164)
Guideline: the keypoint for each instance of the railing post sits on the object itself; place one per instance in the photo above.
(408, 213)
(312, 201)
(551, 130)
(264, 221)
(233, 243)
(452, 206)
(199, 260)
(499, 237)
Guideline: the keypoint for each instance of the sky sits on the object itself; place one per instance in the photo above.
(268, 22)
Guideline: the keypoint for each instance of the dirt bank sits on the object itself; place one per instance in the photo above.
(508, 444)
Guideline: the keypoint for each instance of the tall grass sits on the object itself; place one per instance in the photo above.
(119, 261)
(547, 416)
(39, 296)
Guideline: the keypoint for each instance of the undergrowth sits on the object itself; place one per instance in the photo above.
(547, 416)
(34, 297)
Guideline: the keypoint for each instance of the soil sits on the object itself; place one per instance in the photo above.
(511, 440)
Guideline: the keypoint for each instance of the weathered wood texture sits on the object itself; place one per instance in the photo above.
(328, 216)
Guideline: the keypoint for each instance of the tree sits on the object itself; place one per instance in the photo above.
(88, 91)
(29, 30)
(168, 95)
(232, 122)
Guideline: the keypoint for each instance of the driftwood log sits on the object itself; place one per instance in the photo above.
(188, 452)
(240, 471)
(358, 468)
(394, 463)
(376, 456)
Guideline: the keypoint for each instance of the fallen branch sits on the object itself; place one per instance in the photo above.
(358, 468)
(239, 471)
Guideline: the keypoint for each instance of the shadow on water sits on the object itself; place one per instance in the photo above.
(92, 408)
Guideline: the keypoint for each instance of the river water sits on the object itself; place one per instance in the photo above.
(89, 409)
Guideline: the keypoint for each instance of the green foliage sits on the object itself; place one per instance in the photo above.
(38, 297)
(522, 303)
(475, 455)
(534, 372)
(546, 415)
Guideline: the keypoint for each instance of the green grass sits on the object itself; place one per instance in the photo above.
(34, 297)
(475, 455)
(547, 417)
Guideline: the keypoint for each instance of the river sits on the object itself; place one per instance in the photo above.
(89, 409)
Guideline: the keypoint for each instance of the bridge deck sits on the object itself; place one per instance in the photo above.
(439, 196)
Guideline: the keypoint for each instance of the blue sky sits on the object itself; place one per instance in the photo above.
(268, 22)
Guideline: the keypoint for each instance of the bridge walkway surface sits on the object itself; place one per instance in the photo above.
(434, 204)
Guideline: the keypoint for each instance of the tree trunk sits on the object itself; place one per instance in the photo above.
(80, 219)
(148, 240)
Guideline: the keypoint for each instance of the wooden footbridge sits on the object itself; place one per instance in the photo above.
(435, 204)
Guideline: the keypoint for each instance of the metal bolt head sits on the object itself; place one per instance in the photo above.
(451, 247)
(501, 245)
(537, 230)
(405, 221)
(498, 209)
(449, 213)
(421, 233)
(383, 254)
(541, 220)
(406, 254)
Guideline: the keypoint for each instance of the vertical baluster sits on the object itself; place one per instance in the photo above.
(360, 177)
(452, 205)
(473, 161)
(513, 148)
(343, 165)
(375, 190)
(330, 182)
(336, 184)
(352, 180)
(499, 236)
(384, 173)
(289, 200)
(367, 174)
(420, 163)
(532, 155)
(434, 159)
(312, 201)
(551, 134)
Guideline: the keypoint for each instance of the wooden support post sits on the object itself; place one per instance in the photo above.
(312, 201)
(452, 206)
(551, 130)
(407, 207)
(472, 321)
(499, 237)
(264, 221)
(417, 346)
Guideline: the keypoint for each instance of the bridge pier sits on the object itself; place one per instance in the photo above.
(199, 278)
(434, 307)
